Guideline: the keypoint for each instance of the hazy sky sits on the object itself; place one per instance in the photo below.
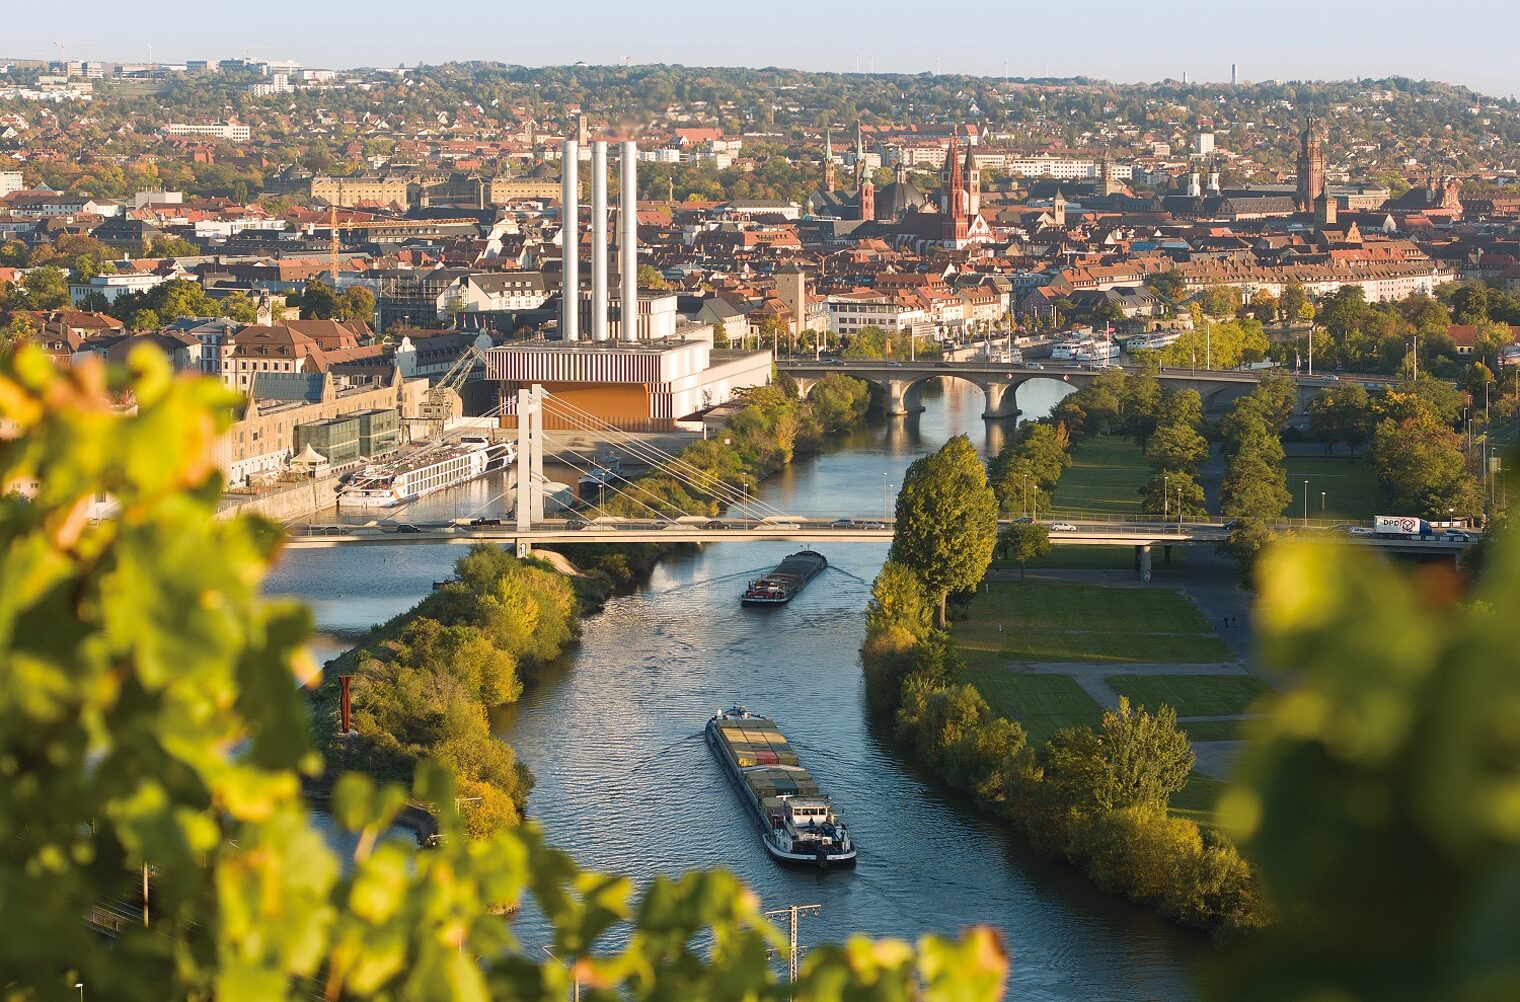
(1287, 39)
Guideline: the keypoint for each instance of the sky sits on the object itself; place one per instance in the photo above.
(1126, 42)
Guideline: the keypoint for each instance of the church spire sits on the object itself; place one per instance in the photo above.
(828, 160)
(860, 155)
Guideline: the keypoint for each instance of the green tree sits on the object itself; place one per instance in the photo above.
(946, 520)
(356, 304)
(1024, 541)
(1249, 538)
(1177, 447)
(1173, 493)
(1422, 469)
(318, 301)
(148, 713)
(1342, 414)
(1167, 283)
(1253, 488)
(44, 288)
(650, 278)
(167, 246)
(899, 610)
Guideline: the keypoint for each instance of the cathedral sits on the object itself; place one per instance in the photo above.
(952, 218)
(1311, 169)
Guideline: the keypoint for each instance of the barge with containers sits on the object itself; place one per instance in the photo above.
(790, 576)
(797, 822)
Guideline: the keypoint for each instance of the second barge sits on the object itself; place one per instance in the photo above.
(781, 585)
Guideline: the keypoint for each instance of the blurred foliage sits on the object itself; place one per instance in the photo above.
(1380, 798)
(149, 714)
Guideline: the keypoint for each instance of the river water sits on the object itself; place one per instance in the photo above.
(626, 783)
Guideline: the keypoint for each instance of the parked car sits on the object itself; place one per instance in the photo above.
(1062, 527)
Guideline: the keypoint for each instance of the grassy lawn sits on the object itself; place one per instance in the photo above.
(1198, 799)
(1352, 491)
(1081, 622)
(1191, 695)
(1042, 703)
(1104, 478)
(1212, 730)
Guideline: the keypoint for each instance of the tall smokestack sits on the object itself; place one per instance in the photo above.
(599, 241)
(570, 252)
(630, 241)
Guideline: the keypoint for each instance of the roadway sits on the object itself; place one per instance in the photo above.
(1081, 532)
(922, 368)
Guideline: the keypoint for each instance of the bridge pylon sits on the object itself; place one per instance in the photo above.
(530, 462)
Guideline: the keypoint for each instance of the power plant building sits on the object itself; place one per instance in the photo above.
(639, 376)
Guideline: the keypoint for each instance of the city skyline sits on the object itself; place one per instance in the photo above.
(1110, 44)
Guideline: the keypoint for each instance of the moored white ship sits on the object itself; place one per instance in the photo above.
(406, 478)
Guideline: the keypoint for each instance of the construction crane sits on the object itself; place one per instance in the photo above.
(443, 402)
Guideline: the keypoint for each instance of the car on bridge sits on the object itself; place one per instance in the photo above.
(1062, 527)
(576, 523)
(715, 523)
(408, 527)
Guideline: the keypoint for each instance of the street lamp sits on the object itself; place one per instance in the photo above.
(80, 986)
(1306, 503)
(1322, 504)
(884, 488)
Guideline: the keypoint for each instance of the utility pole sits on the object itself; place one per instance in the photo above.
(793, 912)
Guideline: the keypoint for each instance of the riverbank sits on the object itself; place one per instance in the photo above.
(1056, 751)
(426, 683)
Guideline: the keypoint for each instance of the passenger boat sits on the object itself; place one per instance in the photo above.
(385, 485)
(1096, 350)
(790, 576)
(797, 823)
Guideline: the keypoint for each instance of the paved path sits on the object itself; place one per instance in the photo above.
(1216, 759)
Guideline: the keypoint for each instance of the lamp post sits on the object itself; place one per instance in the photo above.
(884, 487)
(1165, 497)
(80, 986)
(1306, 503)
(1322, 505)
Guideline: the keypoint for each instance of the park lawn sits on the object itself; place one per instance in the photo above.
(1211, 730)
(1191, 695)
(1051, 621)
(1104, 478)
(1199, 799)
(1056, 605)
(1043, 704)
(1352, 490)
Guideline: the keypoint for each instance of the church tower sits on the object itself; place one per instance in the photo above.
(860, 155)
(973, 182)
(1058, 209)
(1311, 167)
(954, 198)
(866, 194)
(828, 160)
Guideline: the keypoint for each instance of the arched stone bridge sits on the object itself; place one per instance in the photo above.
(901, 382)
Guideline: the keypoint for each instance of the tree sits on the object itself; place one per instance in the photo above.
(356, 304)
(166, 246)
(1149, 756)
(1173, 493)
(650, 278)
(1024, 541)
(1247, 541)
(946, 520)
(899, 607)
(161, 728)
(1341, 414)
(1253, 488)
(318, 301)
(1291, 304)
(1167, 283)
(1177, 447)
(22, 330)
(1423, 471)
(1219, 300)
(44, 288)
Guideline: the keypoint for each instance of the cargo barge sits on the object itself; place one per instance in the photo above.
(797, 823)
(781, 585)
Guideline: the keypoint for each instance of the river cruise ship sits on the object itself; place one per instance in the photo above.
(798, 824)
(406, 478)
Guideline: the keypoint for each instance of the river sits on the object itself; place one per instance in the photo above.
(626, 784)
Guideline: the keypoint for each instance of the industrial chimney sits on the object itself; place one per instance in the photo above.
(630, 241)
(599, 241)
(570, 251)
